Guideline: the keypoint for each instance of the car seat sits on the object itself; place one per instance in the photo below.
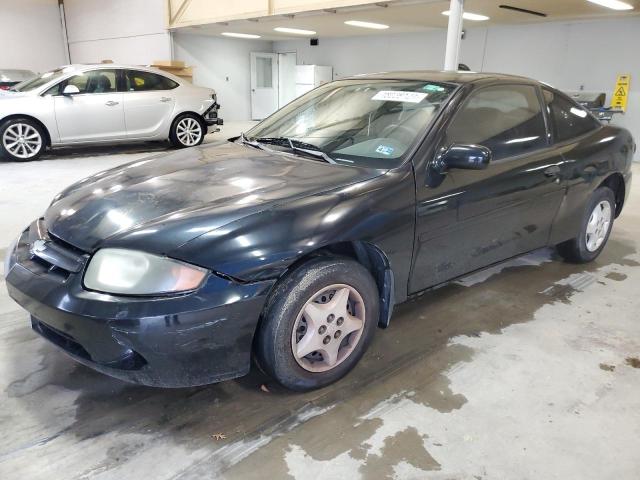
(100, 84)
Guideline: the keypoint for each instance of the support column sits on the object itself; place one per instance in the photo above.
(65, 38)
(454, 33)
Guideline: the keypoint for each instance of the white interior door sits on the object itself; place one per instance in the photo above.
(264, 84)
(286, 78)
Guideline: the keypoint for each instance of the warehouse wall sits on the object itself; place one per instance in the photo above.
(222, 64)
(125, 31)
(565, 54)
(31, 35)
(376, 53)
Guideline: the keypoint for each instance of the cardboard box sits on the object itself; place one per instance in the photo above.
(169, 63)
(182, 72)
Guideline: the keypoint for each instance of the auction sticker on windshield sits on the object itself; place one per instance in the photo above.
(399, 96)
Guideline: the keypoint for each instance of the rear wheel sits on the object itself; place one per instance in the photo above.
(596, 227)
(318, 323)
(187, 131)
(21, 140)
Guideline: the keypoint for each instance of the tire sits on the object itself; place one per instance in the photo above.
(595, 228)
(188, 130)
(21, 140)
(319, 286)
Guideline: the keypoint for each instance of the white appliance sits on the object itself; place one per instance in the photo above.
(309, 77)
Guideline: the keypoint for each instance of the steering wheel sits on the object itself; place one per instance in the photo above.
(409, 132)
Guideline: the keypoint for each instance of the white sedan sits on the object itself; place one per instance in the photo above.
(106, 103)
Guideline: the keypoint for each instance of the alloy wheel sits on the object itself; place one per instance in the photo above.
(189, 131)
(22, 140)
(328, 328)
(598, 225)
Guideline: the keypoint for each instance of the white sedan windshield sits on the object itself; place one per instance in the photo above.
(363, 122)
(40, 80)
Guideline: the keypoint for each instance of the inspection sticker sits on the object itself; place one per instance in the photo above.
(384, 149)
(621, 92)
(433, 88)
(399, 96)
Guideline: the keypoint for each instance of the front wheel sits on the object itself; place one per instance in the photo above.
(596, 226)
(187, 131)
(317, 323)
(21, 140)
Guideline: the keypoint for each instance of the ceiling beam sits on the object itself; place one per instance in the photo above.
(179, 12)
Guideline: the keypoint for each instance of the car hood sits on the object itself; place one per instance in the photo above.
(160, 203)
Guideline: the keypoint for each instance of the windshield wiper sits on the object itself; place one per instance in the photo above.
(297, 146)
(244, 140)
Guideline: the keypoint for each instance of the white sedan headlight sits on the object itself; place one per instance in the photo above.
(129, 272)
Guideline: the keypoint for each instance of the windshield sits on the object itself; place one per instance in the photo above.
(370, 123)
(40, 80)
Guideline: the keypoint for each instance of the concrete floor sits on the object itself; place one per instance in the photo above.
(526, 371)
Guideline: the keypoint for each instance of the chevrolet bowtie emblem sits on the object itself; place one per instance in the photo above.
(38, 246)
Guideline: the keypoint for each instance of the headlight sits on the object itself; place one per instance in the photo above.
(129, 272)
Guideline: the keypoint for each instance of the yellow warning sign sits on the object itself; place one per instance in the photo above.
(621, 92)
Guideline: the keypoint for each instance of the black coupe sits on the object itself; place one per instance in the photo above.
(293, 242)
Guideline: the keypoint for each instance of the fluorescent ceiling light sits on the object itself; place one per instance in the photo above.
(295, 31)
(240, 35)
(470, 16)
(358, 23)
(614, 4)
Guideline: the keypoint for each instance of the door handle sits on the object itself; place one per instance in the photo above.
(111, 103)
(552, 171)
(165, 99)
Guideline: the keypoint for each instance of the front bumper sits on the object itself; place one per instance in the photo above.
(211, 117)
(178, 341)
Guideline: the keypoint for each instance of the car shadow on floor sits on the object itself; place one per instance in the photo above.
(120, 148)
(102, 150)
(413, 354)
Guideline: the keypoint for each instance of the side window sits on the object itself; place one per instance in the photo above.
(95, 81)
(569, 119)
(139, 81)
(56, 89)
(506, 119)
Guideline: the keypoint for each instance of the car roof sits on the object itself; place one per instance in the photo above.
(14, 74)
(91, 66)
(16, 70)
(458, 77)
(83, 67)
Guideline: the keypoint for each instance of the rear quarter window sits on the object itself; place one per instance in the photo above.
(568, 118)
(140, 81)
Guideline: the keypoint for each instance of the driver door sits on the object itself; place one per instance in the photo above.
(94, 114)
(475, 218)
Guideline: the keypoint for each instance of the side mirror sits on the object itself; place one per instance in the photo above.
(70, 90)
(468, 157)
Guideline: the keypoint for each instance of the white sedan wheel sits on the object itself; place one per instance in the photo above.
(189, 131)
(22, 140)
